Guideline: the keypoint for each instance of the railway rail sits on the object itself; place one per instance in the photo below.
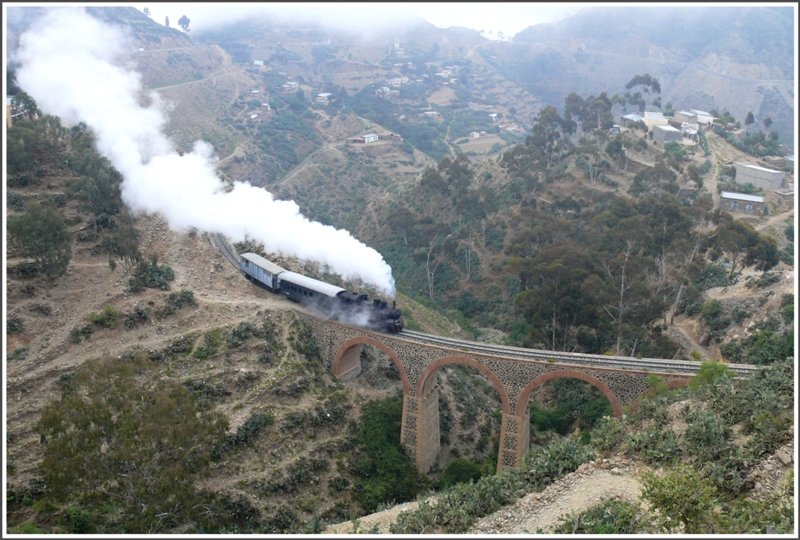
(225, 248)
(614, 362)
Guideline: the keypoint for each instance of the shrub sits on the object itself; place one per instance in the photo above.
(212, 341)
(78, 521)
(608, 517)
(15, 201)
(183, 298)
(135, 318)
(681, 495)
(106, 318)
(709, 372)
(607, 434)
(14, 324)
(460, 471)
(42, 309)
(706, 436)
(79, 335)
(383, 471)
(655, 445)
(239, 334)
(150, 274)
(245, 433)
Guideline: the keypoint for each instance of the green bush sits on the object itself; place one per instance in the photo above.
(709, 372)
(150, 274)
(608, 434)
(241, 333)
(15, 201)
(79, 521)
(683, 496)
(14, 324)
(608, 517)
(135, 318)
(105, 318)
(382, 469)
(245, 434)
(81, 334)
(92, 454)
(655, 445)
(212, 340)
(460, 471)
(180, 299)
(706, 436)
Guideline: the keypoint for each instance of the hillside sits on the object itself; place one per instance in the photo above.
(690, 51)
(150, 388)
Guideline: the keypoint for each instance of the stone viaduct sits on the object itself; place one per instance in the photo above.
(513, 377)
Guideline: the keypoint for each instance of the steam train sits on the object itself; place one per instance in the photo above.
(328, 300)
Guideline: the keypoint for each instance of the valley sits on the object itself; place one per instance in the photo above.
(514, 205)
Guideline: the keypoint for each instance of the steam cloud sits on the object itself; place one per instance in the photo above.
(70, 64)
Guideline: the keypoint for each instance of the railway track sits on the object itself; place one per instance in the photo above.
(221, 243)
(615, 362)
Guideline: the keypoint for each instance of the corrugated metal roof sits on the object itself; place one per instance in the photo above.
(741, 197)
(633, 117)
(310, 283)
(686, 113)
(756, 167)
(258, 260)
(668, 128)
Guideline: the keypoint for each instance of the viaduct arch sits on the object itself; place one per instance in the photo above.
(515, 376)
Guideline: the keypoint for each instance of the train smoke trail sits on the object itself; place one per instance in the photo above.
(71, 64)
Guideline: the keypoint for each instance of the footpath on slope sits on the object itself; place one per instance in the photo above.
(589, 485)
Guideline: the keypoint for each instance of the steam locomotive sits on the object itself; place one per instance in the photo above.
(328, 300)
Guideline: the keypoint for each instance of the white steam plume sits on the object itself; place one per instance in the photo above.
(70, 64)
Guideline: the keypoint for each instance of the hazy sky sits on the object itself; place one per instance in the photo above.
(506, 17)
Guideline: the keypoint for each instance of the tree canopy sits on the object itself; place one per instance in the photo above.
(41, 234)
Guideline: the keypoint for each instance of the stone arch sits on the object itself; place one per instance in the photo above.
(425, 382)
(525, 395)
(347, 359)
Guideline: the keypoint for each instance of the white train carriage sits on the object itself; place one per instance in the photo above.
(260, 270)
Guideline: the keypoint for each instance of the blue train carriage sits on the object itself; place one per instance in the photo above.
(261, 271)
(306, 290)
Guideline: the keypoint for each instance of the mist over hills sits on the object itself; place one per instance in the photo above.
(735, 58)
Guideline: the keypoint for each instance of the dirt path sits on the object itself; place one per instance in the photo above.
(573, 494)
(591, 484)
(447, 135)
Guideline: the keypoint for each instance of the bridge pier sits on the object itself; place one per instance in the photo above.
(420, 428)
(515, 435)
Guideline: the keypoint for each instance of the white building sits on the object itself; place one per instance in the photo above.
(760, 177)
(702, 117)
(665, 134)
(685, 116)
(741, 202)
(370, 138)
(653, 119)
